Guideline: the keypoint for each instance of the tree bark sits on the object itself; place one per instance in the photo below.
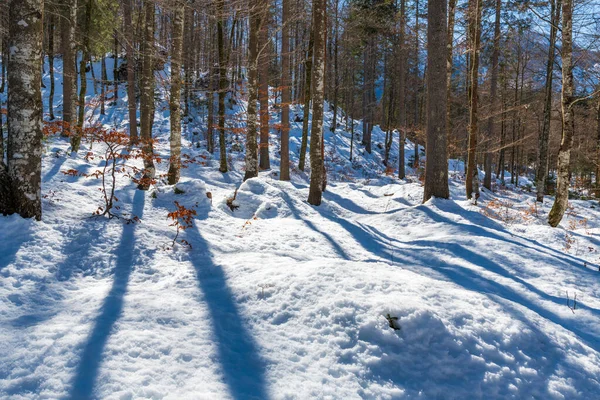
(222, 87)
(472, 184)
(568, 126)
(317, 170)
(255, 22)
(147, 96)
(129, 48)
(76, 136)
(51, 65)
(263, 94)
(175, 96)
(436, 161)
(491, 128)
(286, 97)
(542, 161)
(402, 65)
(24, 150)
(450, 65)
(307, 100)
(68, 23)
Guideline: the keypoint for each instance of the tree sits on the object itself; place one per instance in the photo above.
(436, 162)
(147, 95)
(542, 162)
(286, 94)
(129, 49)
(568, 118)
(24, 148)
(308, 65)
(263, 93)
(68, 22)
(175, 97)
(487, 163)
(256, 12)
(317, 168)
(76, 136)
(475, 7)
(222, 87)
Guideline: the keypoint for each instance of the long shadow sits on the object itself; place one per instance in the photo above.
(91, 356)
(54, 170)
(338, 249)
(243, 368)
(346, 203)
(13, 237)
(477, 230)
(467, 278)
(79, 247)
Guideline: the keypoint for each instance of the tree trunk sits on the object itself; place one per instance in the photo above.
(129, 48)
(51, 65)
(317, 170)
(68, 23)
(263, 94)
(402, 65)
(472, 184)
(542, 161)
(335, 68)
(222, 87)
(115, 68)
(255, 22)
(568, 126)
(307, 99)
(286, 98)
(449, 65)
(436, 156)
(103, 80)
(491, 128)
(147, 96)
(175, 96)
(76, 136)
(24, 148)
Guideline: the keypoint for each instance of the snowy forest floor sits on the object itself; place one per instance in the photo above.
(279, 299)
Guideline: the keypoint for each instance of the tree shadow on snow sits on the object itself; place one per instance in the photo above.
(242, 366)
(91, 356)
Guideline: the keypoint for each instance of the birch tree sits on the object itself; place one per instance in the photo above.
(24, 149)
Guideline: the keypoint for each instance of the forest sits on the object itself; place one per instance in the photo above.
(296, 199)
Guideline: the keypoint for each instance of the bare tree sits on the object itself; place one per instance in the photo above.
(568, 118)
(472, 184)
(317, 170)
(436, 161)
(286, 95)
(175, 97)
(24, 150)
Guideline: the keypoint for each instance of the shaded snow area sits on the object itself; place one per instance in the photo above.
(282, 300)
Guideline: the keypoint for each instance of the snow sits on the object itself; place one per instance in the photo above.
(279, 299)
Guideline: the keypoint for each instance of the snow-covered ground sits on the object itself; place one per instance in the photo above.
(279, 299)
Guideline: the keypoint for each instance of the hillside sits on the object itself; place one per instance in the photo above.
(279, 299)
